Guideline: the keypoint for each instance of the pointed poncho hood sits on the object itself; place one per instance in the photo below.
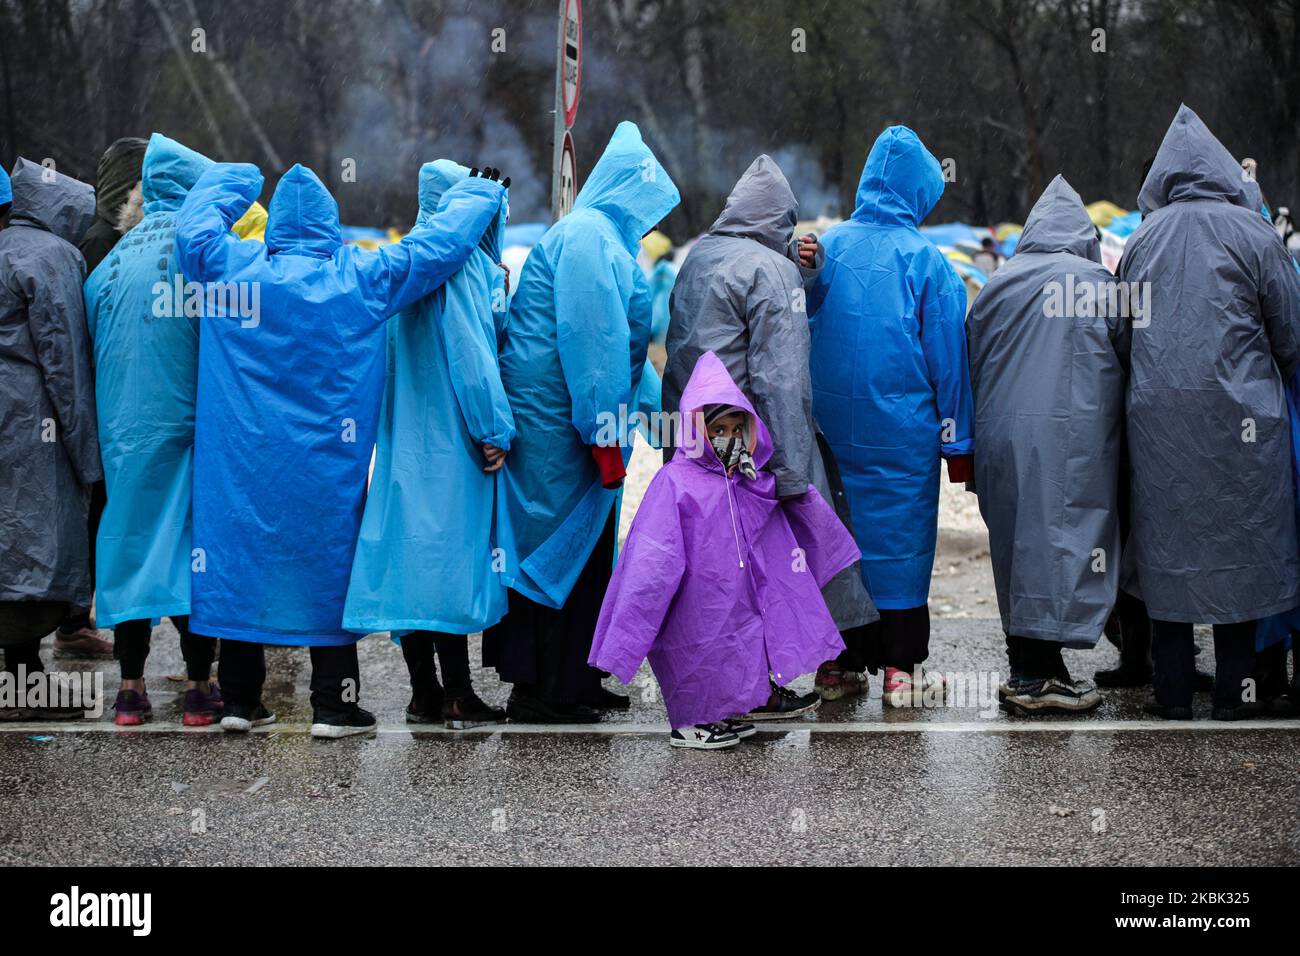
(1059, 222)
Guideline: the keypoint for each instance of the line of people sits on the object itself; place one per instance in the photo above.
(1131, 453)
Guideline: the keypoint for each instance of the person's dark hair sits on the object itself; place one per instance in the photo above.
(986, 242)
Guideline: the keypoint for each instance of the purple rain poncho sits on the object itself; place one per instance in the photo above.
(719, 582)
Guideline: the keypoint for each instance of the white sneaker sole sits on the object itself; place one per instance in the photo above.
(700, 745)
(334, 731)
(241, 725)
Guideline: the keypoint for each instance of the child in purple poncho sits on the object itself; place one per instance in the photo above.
(719, 581)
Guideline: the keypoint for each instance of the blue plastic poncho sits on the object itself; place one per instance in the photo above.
(575, 350)
(424, 557)
(891, 386)
(289, 398)
(146, 365)
(6, 188)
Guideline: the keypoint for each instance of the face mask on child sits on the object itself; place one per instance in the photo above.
(733, 454)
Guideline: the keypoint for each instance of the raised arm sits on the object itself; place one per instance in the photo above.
(206, 248)
(393, 277)
(468, 331)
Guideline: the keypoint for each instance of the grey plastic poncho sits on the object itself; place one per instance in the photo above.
(1214, 525)
(49, 452)
(1049, 382)
(740, 295)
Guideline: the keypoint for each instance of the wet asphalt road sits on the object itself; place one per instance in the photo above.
(852, 785)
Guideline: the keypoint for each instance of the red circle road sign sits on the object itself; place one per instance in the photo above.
(568, 176)
(571, 57)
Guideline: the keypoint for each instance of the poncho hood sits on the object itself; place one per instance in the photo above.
(1192, 164)
(761, 207)
(1059, 222)
(51, 201)
(901, 182)
(303, 219)
(439, 176)
(629, 186)
(710, 384)
(170, 172)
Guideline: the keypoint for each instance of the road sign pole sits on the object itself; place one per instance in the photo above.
(557, 150)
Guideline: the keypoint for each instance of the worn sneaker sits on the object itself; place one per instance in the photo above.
(82, 644)
(1027, 698)
(740, 728)
(901, 689)
(834, 682)
(332, 726)
(200, 707)
(1167, 711)
(526, 709)
(240, 720)
(1125, 675)
(784, 703)
(132, 708)
(703, 737)
(462, 713)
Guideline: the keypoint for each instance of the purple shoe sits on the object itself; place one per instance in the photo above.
(203, 707)
(132, 708)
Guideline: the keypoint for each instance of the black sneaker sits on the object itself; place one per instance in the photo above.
(1170, 712)
(332, 726)
(601, 699)
(1285, 705)
(462, 713)
(425, 708)
(1238, 712)
(784, 703)
(1126, 675)
(1028, 698)
(240, 720)
(703, 737)
(533, 710)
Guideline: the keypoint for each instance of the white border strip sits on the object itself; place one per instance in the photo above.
(1027, 725)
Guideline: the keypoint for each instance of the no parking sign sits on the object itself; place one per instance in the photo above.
(568, 90)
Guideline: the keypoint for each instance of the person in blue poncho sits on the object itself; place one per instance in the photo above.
(891, 390)
(291, 376)
(424, 566)
(575, 352)
(146, 364)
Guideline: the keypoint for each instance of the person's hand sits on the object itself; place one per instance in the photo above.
(495, 457)
(809, 247)
(492, 173)
(506, 269)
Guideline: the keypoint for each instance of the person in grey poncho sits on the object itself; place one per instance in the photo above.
(740, 294)
(1214, 526)
(49, 455)
(1046, 345)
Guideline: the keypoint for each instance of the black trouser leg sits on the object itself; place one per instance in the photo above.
(335, 679)
(1135, 632)
(79, 617)
(854, 655)
(131, 647)
(27, 654)
(453, 654)
(199, 652)
(904, 636)
(1234, 661)
(242, 673)
(417, 651)
(1033, 659)
(1174, 661)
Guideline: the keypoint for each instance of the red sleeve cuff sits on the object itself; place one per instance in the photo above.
(961, 468)
(609, 459)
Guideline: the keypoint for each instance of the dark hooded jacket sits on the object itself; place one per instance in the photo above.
(49, 451)
(1049, 383)
(1214, 523)
(740, 295)
(119, 170)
